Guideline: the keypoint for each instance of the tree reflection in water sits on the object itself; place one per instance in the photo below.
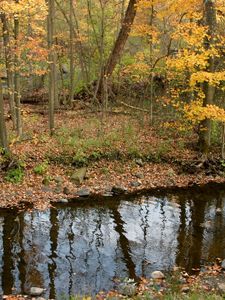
(81, 249)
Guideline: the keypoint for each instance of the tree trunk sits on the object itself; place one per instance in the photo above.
(209, 90)
(50, 30)
(119, 45)
(121, 39)
(71, 55)
(17, 95)
(54, 57)
(8, 64)
(3, 135)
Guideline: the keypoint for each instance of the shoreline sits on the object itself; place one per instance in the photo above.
(156, 178)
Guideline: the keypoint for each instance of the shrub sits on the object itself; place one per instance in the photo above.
(41, 169)
(15, 174)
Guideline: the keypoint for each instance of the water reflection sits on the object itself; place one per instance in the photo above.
(81, 249)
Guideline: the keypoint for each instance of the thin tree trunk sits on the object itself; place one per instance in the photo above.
(77, 44)
(71, 55)
(209, 90)
(50, 24)
(8, 64)
(17, 95)
(3, 134)
(54, 57)
(223, 141)
(56, 90)
(151, 65)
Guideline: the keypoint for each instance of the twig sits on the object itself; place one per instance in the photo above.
(134, 107)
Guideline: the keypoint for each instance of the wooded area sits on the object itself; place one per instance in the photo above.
(112, 111)
(153, 69)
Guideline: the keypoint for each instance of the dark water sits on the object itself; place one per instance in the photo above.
(83, 248)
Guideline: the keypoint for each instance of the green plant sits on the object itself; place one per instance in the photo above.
(96, 155)
(222, 163)
(105, 170)
(15, 175)
(79, 159)
(134, 152)
(42, 168)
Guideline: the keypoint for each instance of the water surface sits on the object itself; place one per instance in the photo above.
(84, 247)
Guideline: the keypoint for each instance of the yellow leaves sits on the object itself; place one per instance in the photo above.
(33, 8)
(187, 60)
(143, 30)
(195, 112)
(144, 4)
(203, 76)
(192, 34)
(137, 70)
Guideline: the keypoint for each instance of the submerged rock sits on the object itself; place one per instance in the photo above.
(84, 192)
(36, 291)
(157, 275)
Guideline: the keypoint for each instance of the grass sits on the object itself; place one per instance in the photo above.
(95, 141)
(41, 168)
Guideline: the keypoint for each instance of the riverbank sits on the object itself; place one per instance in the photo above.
(40, 192)
(92, 154)
(205, 284)
(208, 284)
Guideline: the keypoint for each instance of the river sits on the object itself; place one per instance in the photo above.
(84, 247)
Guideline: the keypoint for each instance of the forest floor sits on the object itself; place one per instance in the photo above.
(116, 149)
